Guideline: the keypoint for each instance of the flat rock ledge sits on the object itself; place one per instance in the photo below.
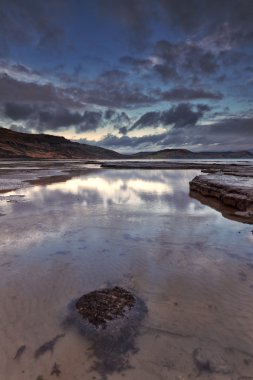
(231, 190)
(169, 165)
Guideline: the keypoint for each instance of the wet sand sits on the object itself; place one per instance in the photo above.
(140, 230)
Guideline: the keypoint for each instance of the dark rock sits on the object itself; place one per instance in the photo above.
(102, 306)
(232, 190)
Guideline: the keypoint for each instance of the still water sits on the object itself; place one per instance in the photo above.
(139, 229)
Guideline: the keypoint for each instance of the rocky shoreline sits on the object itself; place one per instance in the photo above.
(232, 187)
(168, 165)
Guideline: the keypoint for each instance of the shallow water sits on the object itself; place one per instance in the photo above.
(191, 267)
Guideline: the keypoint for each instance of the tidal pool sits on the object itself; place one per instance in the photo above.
(140, 230)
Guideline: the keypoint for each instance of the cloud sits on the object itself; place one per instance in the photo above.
(178, 116)
(103, 92)
(148, 119)
(59, 118)
(122, 95)
(18, 111)
(166, 71)
(53, 119)
(185, 55)
(191, 15)
(125, 142)
(183, 94)
(134, 16)
(123, 131)
(25, 23)
(203, 107)
(13, 90)
(91, 120)
(217, 136)
(109, 113)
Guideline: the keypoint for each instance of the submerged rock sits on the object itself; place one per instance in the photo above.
(119, 314)
(101, 306)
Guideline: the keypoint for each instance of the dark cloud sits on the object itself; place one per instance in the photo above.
(122, 95)
(174, 61)
(121, 123)
(31, 23)
(166, 71)
(37, 117)
(204, 62)
(182, 93)
(53, 118)
(121, 118)
(14, 91)
(91, 120)
(60, 118)
(134, 15)
(109, 113)
(203, 107)
(101, 93)
(148, 119)
(18, 111)
(123, 131)
(179, 116)
(182, 56)
(224, 22)
(126, 142)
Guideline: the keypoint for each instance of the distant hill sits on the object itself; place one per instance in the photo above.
(24, 145)
(187, 154)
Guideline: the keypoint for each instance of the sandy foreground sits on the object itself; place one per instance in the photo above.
(67, 229)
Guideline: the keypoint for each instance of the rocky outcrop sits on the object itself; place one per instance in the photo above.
(232, 190)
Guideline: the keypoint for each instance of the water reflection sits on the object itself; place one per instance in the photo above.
(136, 229)
(164, 191)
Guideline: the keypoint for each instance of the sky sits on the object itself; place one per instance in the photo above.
(129, 75)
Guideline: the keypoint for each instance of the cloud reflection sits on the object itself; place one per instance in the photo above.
(164, 191)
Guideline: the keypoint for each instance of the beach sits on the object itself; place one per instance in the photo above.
(191, 267)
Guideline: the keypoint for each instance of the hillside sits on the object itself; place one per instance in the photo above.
(187, 154)
(24, 145)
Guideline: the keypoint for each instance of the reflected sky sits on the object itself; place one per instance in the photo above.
(107, 196)
(138, 229)
(163, 191)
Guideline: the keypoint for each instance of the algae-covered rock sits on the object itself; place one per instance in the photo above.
(101, 306)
